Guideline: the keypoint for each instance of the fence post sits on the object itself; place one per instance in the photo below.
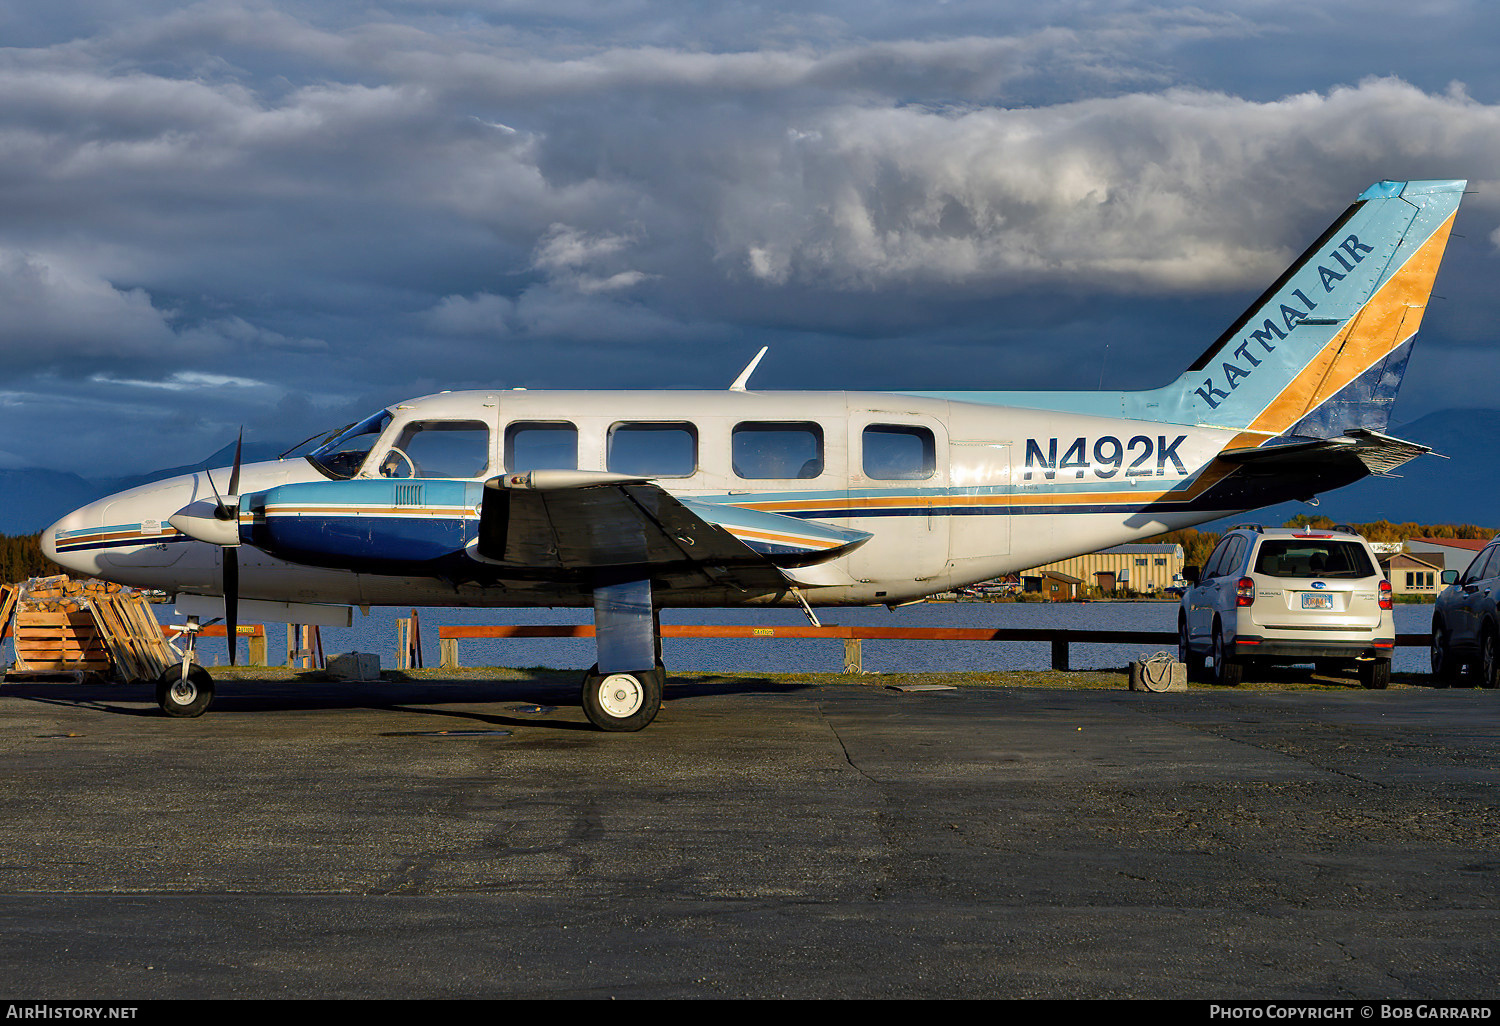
(258, 649)
(403, 643)
(299, 650)
(1060, 652)
(853, 656)
(448, 653)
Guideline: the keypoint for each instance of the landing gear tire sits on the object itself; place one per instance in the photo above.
(184, 697)
(622, 702)
(1228, 671)
(1376, 674)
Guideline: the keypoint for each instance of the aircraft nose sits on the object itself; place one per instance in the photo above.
(55, 541)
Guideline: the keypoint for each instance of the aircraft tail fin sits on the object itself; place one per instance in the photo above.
(1323, 350)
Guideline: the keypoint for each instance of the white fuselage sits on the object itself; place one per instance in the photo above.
(951, 492)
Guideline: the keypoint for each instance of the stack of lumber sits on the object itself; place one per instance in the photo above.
(85, 629)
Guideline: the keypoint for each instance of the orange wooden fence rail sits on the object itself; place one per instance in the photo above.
(1060, 638)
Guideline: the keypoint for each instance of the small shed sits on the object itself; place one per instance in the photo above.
(1055, 586)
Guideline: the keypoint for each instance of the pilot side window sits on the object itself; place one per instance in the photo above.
(777, 451)
(540, 446)
(897, 452)
(439, 448)
(653, 450)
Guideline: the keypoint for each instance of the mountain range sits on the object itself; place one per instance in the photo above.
(34, 498)
(1464, 488)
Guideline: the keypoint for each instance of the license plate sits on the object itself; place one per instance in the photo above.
(1317, 601)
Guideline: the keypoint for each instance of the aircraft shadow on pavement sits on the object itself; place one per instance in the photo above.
(531, 698)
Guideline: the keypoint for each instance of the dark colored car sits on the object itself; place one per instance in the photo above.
(1466, 623)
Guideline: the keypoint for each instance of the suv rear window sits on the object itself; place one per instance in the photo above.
(1298, 557)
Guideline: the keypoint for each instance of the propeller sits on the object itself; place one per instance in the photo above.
(219, 524)
(232, 557)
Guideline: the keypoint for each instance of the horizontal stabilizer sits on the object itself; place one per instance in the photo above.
(1378, 454)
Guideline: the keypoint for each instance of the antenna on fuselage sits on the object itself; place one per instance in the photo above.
(740, 382)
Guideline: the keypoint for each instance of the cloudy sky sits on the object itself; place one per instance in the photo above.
(284, 214)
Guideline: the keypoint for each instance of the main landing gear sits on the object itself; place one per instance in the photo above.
(619, 692)
(622, 701)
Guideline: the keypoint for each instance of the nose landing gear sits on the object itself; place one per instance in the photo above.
(185, 689)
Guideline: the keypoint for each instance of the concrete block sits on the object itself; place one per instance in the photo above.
(1162, 673)
(354, 666)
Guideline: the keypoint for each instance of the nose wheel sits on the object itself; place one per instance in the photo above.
(184, 690)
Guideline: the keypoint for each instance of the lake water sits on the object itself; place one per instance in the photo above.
(377, 633)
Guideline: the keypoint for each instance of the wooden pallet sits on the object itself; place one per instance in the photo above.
(89, 628)
(133, 635)
(62, 641)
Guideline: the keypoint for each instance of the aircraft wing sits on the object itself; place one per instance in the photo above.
(1358, 448)
(613, 524)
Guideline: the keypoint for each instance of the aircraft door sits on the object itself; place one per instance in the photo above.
(898, 480)
(981, 486)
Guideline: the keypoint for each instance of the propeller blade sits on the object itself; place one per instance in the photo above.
(220, 510)
(234, 475)
(232, 600)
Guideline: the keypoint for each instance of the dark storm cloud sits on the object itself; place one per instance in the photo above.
(276, 214)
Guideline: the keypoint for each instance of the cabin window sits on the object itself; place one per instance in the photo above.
(896, 452)
(439, 448)
(540, 446)
(766, 451)
(653, 450)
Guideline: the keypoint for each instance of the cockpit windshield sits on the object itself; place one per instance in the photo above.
(342, 457)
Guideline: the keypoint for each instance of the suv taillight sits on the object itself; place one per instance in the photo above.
(1245, 593)
(1385, 595)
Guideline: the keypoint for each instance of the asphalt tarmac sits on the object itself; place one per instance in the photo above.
(763, 838)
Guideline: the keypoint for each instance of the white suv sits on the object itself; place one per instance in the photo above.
(1281, 595)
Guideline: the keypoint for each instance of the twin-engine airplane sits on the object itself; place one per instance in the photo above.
(635, 501)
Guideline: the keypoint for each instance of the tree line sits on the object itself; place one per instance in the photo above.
(1198, 545)
(21, 559)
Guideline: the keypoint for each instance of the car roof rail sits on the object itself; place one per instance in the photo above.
(1257, 528)
(1346, 528)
